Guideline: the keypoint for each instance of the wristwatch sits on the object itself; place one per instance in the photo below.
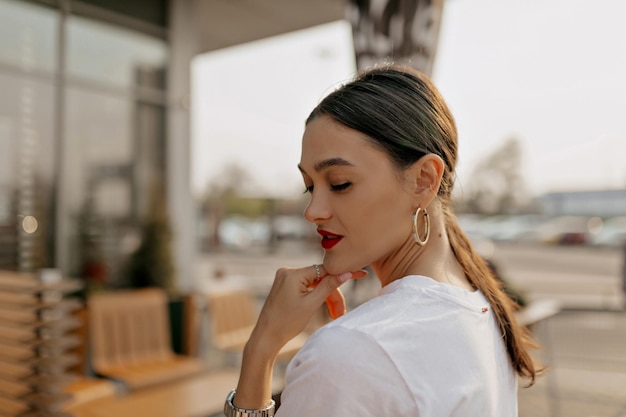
(231, 411)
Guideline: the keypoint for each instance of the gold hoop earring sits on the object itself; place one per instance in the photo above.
(416, 235)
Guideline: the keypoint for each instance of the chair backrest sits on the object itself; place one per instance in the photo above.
(232, 314)
(129, 327)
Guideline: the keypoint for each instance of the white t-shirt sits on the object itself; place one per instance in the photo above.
(420, 348)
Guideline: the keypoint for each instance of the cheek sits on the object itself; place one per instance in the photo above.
(381, 223)
(373, 234)
(385, 224)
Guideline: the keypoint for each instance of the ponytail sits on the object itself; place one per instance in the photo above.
(517, 339)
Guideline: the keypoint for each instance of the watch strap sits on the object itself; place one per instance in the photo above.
(231, 411)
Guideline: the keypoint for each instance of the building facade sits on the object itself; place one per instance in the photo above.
(599, 203)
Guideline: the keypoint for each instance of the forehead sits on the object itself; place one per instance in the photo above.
(324, 138)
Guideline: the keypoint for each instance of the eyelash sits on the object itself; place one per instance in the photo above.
(336, 188)
(340, 187)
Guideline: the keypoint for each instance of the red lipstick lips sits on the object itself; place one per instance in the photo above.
(329, 239)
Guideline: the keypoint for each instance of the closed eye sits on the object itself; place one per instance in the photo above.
(340, 187)
(308, 189)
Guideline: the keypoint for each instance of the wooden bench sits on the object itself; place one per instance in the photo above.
(197, 396)
(232, 317)
(130, 339)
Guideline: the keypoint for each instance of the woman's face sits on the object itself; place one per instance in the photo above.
(361, 206)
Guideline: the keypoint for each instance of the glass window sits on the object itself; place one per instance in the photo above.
(151, 11)
(28, 36)
(113, 158)
(114, 56)
(97, 180)
(26, 172)
(112, 137)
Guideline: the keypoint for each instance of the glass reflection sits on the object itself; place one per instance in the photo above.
(111, 55)
(27, 36)
(111, 136)
(29, 224)
(26, 171)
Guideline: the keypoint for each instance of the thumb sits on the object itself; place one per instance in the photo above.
(330, 283)
(335, 302)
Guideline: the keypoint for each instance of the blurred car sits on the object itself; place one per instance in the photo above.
(503, 228)
(565, 230)
(516, 228)
(293, 227)
(472, 225)
(612, 233)
(239, 232)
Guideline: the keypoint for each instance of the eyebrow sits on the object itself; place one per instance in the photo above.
(330, 162)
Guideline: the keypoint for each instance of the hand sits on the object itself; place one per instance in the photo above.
(295, 296)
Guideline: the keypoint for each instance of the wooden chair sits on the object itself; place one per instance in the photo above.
(232, 316)
(200, 394)
(130, 339)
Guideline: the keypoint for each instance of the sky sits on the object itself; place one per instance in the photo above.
(249, 104)
(547, 72)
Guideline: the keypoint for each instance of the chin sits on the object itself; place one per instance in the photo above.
(335, 265)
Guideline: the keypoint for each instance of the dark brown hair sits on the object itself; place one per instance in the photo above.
(404, 115)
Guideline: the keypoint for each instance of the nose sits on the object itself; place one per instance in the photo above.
(318, 209)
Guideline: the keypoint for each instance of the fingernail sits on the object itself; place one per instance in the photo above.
(345, 276)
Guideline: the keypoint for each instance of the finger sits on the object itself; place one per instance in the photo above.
(313, 275)
(311, 280)
(331, 282)
(359, 274)
(336, 304)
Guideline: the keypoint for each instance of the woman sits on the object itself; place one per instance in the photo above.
(378, 159)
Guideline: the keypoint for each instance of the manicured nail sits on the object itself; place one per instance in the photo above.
(345, 276)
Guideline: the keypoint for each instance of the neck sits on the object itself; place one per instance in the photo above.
(434, 260)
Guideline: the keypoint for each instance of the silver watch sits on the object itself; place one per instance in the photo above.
(231, 411)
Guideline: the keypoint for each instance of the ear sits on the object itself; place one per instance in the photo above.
(425, 177)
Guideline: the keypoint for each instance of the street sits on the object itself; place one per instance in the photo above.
(577, 276)
(587, 376)
(584, 345)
